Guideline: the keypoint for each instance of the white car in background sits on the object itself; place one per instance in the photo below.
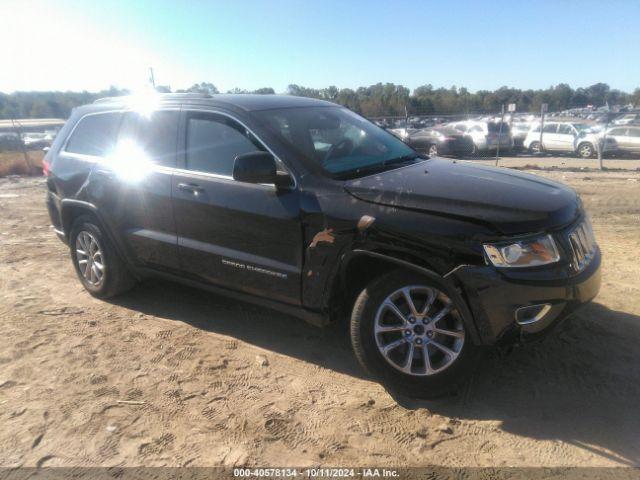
(556, 137)
(37, 140)
(627, 119)
(619, 139)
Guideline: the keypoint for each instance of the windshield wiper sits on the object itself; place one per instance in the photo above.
(381, 167)
(403, 159)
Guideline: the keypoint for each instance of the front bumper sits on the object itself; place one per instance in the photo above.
(494, 300)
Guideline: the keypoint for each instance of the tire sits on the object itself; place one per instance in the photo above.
(586, 150)
(369, 316)
(91, 249)
(535, 147)
(433, 150)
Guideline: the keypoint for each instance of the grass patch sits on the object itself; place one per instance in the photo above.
(13, 163)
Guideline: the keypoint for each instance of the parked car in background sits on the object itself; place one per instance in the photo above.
(519, 132)
(486, 135)
(627, 119)
(618, 140)
(36, 140)
(10, 141)
(441, 141)
(556, 137)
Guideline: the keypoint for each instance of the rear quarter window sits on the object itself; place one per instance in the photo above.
(94, 135)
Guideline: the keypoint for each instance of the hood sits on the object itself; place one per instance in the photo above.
(511, 202)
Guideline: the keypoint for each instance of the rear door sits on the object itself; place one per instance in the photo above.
(232, 234)
(132, 187)
(565, 137)
(549, 136)
(617, 138)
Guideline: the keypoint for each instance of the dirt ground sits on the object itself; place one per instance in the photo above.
(167, 375)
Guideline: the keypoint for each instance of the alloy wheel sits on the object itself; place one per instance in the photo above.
(433, 150)
(90, 258)
(535, 147)
(586, 151)
(418, 330)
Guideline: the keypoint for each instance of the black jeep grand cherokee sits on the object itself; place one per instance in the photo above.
(308, 208)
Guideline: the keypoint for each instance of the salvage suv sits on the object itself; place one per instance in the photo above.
(305, 207)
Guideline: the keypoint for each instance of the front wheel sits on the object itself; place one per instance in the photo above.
(586, 150)
(410, 332)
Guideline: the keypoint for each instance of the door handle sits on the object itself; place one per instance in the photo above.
(191, 187)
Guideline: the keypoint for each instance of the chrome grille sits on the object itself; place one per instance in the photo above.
(583, 245)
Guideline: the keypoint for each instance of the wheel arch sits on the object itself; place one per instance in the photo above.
(360, 267)
(71, 209)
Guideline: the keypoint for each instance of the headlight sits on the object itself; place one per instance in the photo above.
(525, 253)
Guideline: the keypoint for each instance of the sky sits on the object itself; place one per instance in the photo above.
(88, 45)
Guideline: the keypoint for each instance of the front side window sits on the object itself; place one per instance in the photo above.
(339, 141)
(214, 141)
(565, 129)
(634, 132)
(94, 135)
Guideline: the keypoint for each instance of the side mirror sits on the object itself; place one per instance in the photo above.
(259, 167)
(46, 149)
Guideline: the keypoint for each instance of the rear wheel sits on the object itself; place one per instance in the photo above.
(586, 150)
(409, 331)
(98, 266)
(535, 147)
(433, 150)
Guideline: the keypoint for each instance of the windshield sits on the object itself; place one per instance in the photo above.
(341, 142)
(581, 126)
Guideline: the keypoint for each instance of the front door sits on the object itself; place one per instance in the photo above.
(633, 140)
(235, 235)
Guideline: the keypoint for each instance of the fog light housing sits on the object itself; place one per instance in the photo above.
(532, 313)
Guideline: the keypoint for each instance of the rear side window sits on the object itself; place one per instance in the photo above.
(156, 134)
(497, 127)
(550, 128)
(618, 132)
(94, 135)
(214, 141)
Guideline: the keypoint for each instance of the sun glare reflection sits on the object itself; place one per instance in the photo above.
(144, 102)
(129, 161)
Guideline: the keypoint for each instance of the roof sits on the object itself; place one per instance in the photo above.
(244, 101)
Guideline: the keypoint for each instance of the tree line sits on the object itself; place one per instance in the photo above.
(386, 99)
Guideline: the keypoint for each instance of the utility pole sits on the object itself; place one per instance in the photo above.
(499, 135)
(543, 108)
(27, 160)
(151, 77)
(602, 143)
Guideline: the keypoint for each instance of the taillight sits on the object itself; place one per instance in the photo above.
(46, 167)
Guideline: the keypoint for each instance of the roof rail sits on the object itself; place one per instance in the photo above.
(123, 98)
